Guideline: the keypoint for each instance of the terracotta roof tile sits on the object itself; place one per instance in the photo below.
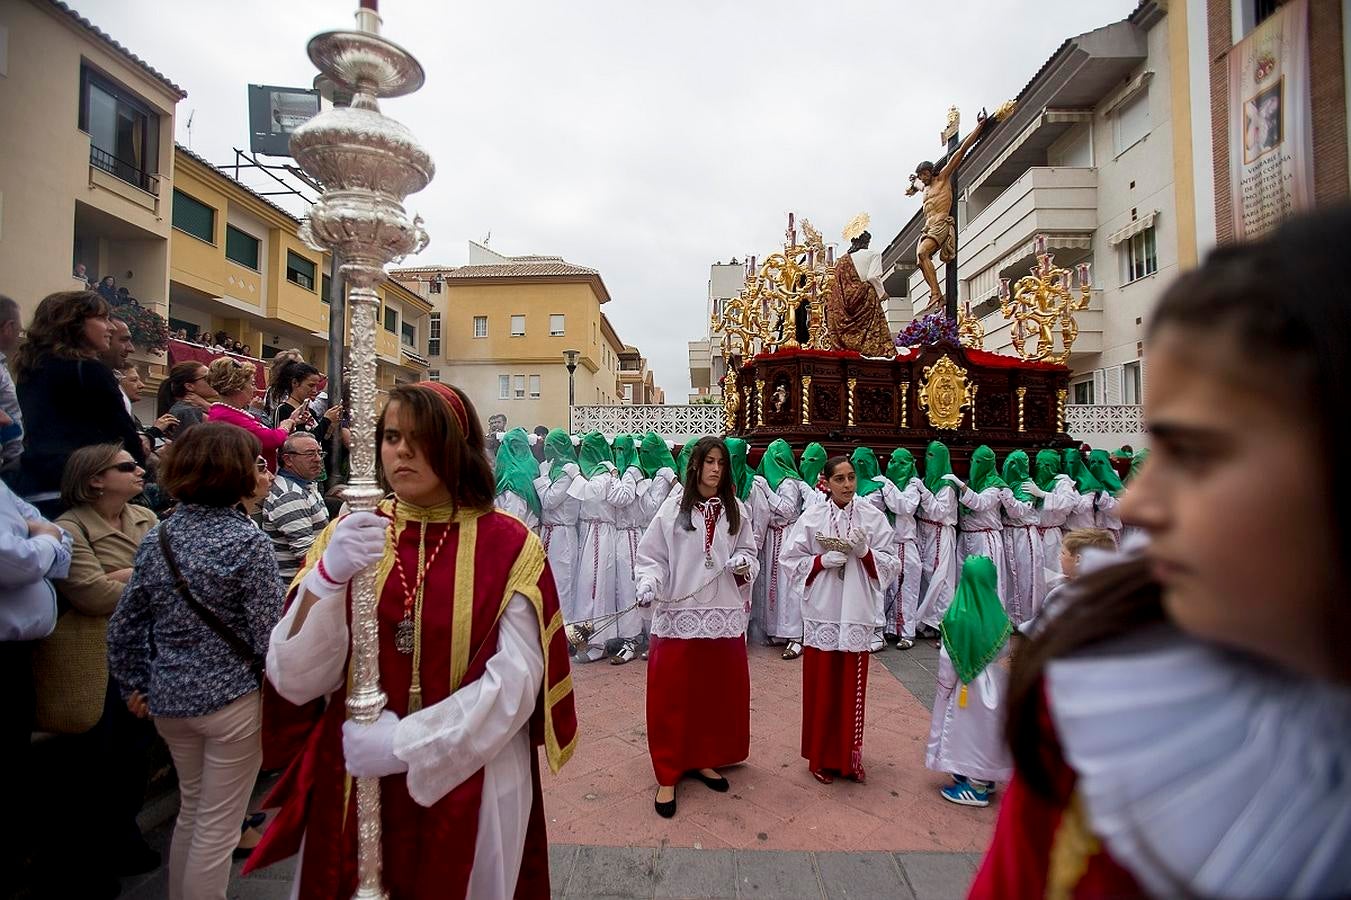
(108, 40)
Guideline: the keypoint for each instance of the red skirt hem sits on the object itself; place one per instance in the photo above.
(834, 691)
(698, 705)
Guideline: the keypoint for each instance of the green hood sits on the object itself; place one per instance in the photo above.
(1015, 474)
(975, 627)
(777, 464)
(937, 463)
(812, 462)
(1100, 464)
(984, 472)
(1048, 467)
(625, 453)
(866, 468)
(594, 452)
(901, 467)
(741, 472)
(654, 455)
(558, 452)
(1074, 467)
(1137, 463)
(683, 461)
(517, 468)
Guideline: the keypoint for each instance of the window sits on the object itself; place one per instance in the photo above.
(194, 217)
(1130, 384)
(391, 320)
(433, 374)
(1140, 255)
(1132, 122)
(503, 387)
(434, 335)
(409, 335)
(435, 286)
(534, 387)
(1083, 392)
(518, 326)
(326, 289)
(123, 131)
(520, 387)
(1264, 9)
(480, 326)
(299, 270)
(242, 247)
(628, 393)
(556, 322)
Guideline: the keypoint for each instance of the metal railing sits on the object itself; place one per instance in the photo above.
(126, 171)
(676, 423)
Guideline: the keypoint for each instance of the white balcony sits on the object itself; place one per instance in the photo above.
(1061, 203)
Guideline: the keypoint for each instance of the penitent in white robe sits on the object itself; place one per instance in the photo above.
(484, 725)
(1106, 515)
(514, 504)
(980, 532)
(969, 740)
(630, 522)
(558, 534)
(902, 597)
(1081, 514)
(1025, 559)
(841, 614)
(601, 495)
(937, 518)
(1051, 517)
(776, 603)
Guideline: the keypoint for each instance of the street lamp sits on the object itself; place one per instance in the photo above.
(570, 358)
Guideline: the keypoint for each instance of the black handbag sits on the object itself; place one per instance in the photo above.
(213, 621)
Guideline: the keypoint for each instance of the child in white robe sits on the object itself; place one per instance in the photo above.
(937, 520)
(902, 492)
(515, 469)
(558, 516)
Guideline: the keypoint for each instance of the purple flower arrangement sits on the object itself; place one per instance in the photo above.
(931, 329)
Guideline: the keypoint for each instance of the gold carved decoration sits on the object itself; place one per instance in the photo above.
(905, 404)
(806, 399)
(852, 384)
(1060, 396)
(760, 400)
(944, 393)
(969, 330)
(1040, 303)
(972, 409)
(731, 399)
(1022, 398)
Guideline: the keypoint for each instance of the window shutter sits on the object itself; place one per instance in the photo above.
(1111, 394)
(1100, 386)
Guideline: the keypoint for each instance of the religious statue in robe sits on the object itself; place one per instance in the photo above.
(854, 312)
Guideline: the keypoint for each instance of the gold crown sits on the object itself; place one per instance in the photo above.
(857, 225)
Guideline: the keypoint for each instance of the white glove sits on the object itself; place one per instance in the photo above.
(533, 439)
(666, 472)
(646, 595)
(859, 542)
(956, 482)
(358, 541)
(369, 749)
(576, 440)
(740, 565)
(608, 466)
(545, 468)
(1032, 488)
(833, 559)
(881, 479)
(572, 470)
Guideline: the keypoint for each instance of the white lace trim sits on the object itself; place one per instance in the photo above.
(848, 637)
(672, 621)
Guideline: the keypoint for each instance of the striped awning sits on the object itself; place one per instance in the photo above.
(1131, 230)
(985, 284)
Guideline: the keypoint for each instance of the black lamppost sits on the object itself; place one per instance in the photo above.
(570, 360)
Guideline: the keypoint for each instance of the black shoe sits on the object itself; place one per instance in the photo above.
(718, 784)
(667, 809)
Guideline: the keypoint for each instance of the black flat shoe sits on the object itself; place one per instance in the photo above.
(665, 810)
(718, 784)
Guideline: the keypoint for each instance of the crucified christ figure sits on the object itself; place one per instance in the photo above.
(940, 229)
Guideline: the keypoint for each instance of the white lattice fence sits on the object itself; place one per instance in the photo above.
(674, 423)
(1107, 427)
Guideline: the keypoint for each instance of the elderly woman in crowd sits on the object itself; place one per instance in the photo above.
(190, 656)
(105, 530)
(234, 382)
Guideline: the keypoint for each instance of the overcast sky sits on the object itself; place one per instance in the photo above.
(645, 139)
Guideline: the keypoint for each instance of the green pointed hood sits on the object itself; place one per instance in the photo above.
(594, 452)
(866, 468)
(1100, 464)
(654, 455)
(1137, 463)
(901, 467)
(1048, 467)
(625, 453)
(984, 472)
(812, 462)
(1075, 468)
(683, 461)
(777, 464)
(517, 468)
(741, 472)
(937, 463)
(558, 452)
(1015, 474)
(975, 627)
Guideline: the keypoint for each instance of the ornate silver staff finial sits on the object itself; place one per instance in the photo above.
(367, 163)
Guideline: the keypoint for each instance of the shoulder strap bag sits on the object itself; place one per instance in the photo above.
(213, 621)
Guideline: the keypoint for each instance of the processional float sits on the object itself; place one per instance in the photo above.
(367, 164)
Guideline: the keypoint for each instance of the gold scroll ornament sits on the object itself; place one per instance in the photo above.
(944, 393)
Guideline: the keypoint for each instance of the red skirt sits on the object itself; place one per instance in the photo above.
(698, 705)
(834, 687)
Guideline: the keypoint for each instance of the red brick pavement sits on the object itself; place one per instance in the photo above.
(604, 795)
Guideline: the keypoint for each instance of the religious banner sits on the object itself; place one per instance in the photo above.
(1270, 122)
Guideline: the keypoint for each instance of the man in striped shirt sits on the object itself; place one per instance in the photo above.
(294, 512)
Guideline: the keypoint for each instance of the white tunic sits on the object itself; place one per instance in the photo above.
(697, 595)
(1081, 513)
(1051, 518)
(597, 595)
(841, 614)
(484, 725)
(981, 532)
(1025, 558)
(776, 604)
(903, 504)
(937, 519)
(514, 504)
(630, 521)
(1106, 515)
(558, 533)
(969, 740)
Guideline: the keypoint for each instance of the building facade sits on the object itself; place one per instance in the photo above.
(707, 367)
(86, 158)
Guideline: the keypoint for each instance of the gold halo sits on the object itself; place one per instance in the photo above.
(857, 225)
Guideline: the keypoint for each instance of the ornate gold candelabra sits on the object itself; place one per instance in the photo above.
(969, 330)
(367, 163)
(1040, 302)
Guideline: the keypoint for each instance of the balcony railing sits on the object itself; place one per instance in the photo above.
(120, 168)
(674, 423)
(1100, 425)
